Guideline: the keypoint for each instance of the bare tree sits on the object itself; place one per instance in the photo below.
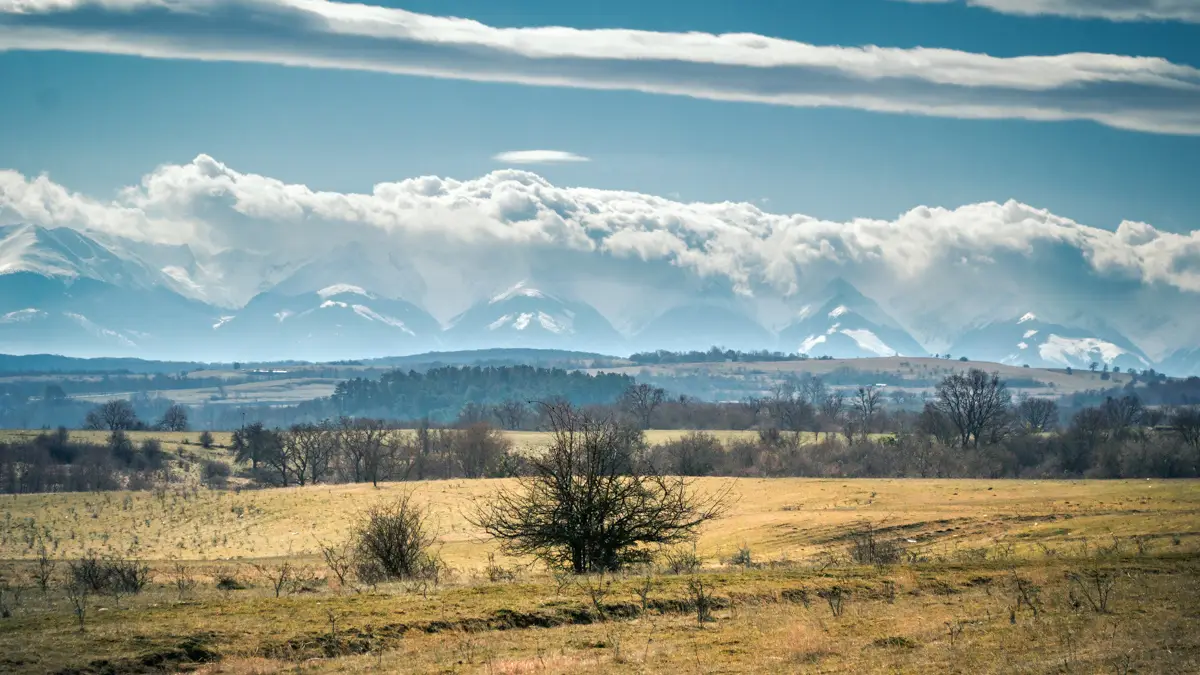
(115, 415)
(1037, 414)
(831, 411)
(975, 402)
(1122, 414)
(312, 448)
(394, 541)
(1185, 422)
(480, 451)
(511, 413)
(789, 410)
(365, 445)
(641, 400)
(175, 418)
(584, 508)
(866, 402)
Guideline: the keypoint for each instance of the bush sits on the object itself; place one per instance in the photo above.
(214, 474)
(394, 541)
(113, 576)
(867, 548)
(206, 439)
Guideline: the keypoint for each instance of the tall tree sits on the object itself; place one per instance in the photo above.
(975, 402)
(641, 400)
(115, 415)
(175, 418)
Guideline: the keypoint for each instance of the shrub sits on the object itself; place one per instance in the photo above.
(393, 541)
(681, 561)
(214, 474)
(867, 548)
(206, 439)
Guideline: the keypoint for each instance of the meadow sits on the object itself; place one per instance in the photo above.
(996, 576)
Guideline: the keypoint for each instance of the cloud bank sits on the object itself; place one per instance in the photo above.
(1136, 93)
(970, 263)
(539, 157)
(1111, 10)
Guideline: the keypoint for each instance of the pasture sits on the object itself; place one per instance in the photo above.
(994, 579)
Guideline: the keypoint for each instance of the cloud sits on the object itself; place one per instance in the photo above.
(539, 157)
(1112, 10)
(447, 242)
(1136, 93)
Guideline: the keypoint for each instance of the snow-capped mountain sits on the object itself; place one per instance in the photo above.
(335, 322)
(524, 316)
(1028, 340)
(62, 291)
(701, 326)
(847, 324)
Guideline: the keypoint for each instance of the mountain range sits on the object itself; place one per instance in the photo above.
(65, 292)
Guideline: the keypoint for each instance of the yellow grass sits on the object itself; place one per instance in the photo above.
(950, 609)
(774, 517)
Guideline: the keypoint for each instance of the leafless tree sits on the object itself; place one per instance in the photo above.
(115, 415)
(175, 418)
(830, 413)
(641, 400)
(1185, 422)
(312, 448)
(975, 402)
(866, 402)
(1037, 414)
(364, 443)
(788, 410)
(511, 413)
(585, 508)
(1122, 415)
(480, 451)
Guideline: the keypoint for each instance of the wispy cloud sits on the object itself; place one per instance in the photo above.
(1137, 93)
(1112, 10)
(539, 157)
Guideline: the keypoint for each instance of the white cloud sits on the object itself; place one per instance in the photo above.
(1111, 10)
(539, 157)
(1138, 93)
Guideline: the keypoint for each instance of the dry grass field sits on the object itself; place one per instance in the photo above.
(522, 440)
(995, 580)
(898, 366)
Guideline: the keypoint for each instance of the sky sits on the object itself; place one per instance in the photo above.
(88, 100)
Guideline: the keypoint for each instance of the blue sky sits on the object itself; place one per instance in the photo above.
(99, 122)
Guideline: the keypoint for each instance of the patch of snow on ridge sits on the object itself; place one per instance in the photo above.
(812, 341)
(371, 315)
(338, 289)
(1062, 350)
(283, 315)
(99, 330)
(334, 303)
(869, 342)
(1030, 316)
(838, 311)
(553, 324)
(1030, 333)
(1022, 345)
(222, 321)
(499, 323)
(522, 321)
(21, 315)
(520, 289)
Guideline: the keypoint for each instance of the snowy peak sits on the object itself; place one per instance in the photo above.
(1030, 341)
(848, 325)
(524, 316)
(64, 253)
(519, 290)
(343, 289)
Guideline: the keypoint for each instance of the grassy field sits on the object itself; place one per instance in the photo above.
(899, 366)
(222, 439)
(974, 547)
